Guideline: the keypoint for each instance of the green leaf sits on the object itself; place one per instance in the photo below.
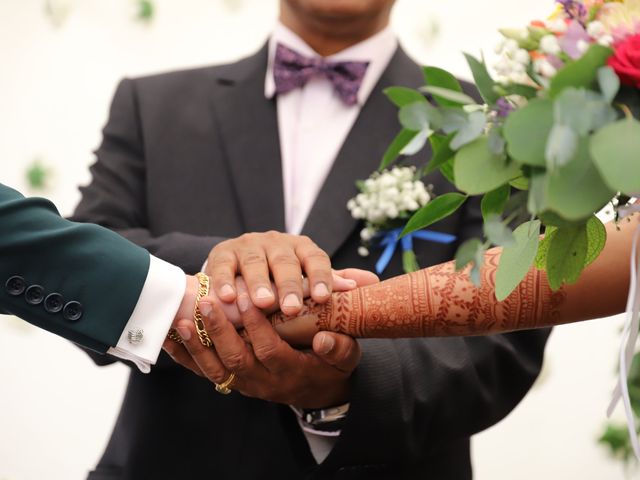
(496, 141)
(402, 140)
(493, 202)
(418, 116)
(447, 170)
(561, 146)
(525, 91)
(582, 73)
(470, 252)
(596, 239)
(441, 152)
(417, 143)
(616, 152)
(497, 232)
(409, 261)
(543, 248)
(453, 119)
(576, 190)
(145, 10)
(517, 258)
(582, 110)
(482, 79)
(437, 77)
(609, 83)
(437, 209)
(470, 130)
(520, 183)
(527, 130)
(566, 255)
(402, 96)
(451, 97)
(536, 202)
(477, 170)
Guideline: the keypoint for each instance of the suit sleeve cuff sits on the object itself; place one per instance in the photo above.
(144, 333)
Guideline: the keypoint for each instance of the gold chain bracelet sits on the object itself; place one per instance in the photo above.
(203, 291)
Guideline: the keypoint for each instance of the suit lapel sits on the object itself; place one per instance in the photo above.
(329, 223)
(248, 127)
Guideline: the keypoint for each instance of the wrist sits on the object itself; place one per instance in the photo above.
(187, 306)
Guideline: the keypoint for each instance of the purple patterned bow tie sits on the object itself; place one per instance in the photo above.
(292, 70)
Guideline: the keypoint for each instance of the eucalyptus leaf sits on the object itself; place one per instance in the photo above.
(520, 183)
(516, 260)
(497, 232)
(566, 255)
(536, 201)
(402, 96)
(477, 170)
(526, 131)
(582, 110)
(496, 141)
(609, 83)
(451, 96)
(576, 190)
(453, 119)
(417, 116)
(441, 152)
(440, 207)
(596, 239)
(616, 152)
(543, 248)
(470, 130)
(399, 142)
(561, 146)
(581, 73)
(494, 202)
(417, 143)
(471, 252)
(482, 79)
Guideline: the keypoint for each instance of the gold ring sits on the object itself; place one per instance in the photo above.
(203, 290)
(174, 335)
(223, 387)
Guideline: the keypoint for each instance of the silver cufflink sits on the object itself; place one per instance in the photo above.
(135, 336)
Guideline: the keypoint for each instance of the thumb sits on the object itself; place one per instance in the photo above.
(338, 350)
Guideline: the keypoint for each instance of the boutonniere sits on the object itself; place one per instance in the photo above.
(387, 199)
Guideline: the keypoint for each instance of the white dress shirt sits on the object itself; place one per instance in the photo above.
(313, 123)
(152, 316)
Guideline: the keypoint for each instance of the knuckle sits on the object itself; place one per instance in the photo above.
(284, 258)
(253, 258)
(235, 362)
(288, 285)
(265, 353)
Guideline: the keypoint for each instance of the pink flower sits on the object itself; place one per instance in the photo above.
(625, 60)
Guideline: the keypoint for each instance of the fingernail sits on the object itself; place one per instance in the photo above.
(351, 283)
(206, 308)
(263, 292)
(326, 344)
(321, 290)
(184, 332)
(243, 303)
(291, 301)
(226, 290)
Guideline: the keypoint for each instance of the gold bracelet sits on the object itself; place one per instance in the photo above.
(203, 290)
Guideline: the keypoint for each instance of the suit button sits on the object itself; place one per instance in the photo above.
(72, 311)
(34, 295)
(15, 286)
(53, 303)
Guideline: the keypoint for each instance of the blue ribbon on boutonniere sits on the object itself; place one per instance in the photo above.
(390, 242)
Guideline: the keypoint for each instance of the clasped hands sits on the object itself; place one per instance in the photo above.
(242, 294)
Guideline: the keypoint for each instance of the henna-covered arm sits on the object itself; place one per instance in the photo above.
(439, 301)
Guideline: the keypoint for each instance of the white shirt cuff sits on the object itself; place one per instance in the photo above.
(144, 333)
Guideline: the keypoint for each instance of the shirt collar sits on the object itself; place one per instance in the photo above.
(377, 50)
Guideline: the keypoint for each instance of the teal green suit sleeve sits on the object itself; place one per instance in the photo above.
(79, 281)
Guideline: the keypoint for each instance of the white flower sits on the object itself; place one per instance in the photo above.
(521, 56)
(423, 198)
(351, 204)
(605, 40)
(370, 184)
(386, 180)
(391, 211)
(583, 45)
(596, 29)
(544, 68)
(366, 234)
(549, 44)
(411, 205)
(358, 213)
(363, 251)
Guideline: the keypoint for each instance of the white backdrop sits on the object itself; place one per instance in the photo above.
(56, 408)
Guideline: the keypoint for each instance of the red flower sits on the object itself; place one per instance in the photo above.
(625, 60)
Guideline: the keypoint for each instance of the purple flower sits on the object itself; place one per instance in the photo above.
(503, 108)
(574, 9)
(574, 37)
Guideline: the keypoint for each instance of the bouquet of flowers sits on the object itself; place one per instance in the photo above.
(556, 140)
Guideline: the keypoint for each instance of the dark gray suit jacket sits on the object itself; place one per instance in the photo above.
(191, 157)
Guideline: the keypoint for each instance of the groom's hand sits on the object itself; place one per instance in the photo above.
(268, 368)
(256, 255)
